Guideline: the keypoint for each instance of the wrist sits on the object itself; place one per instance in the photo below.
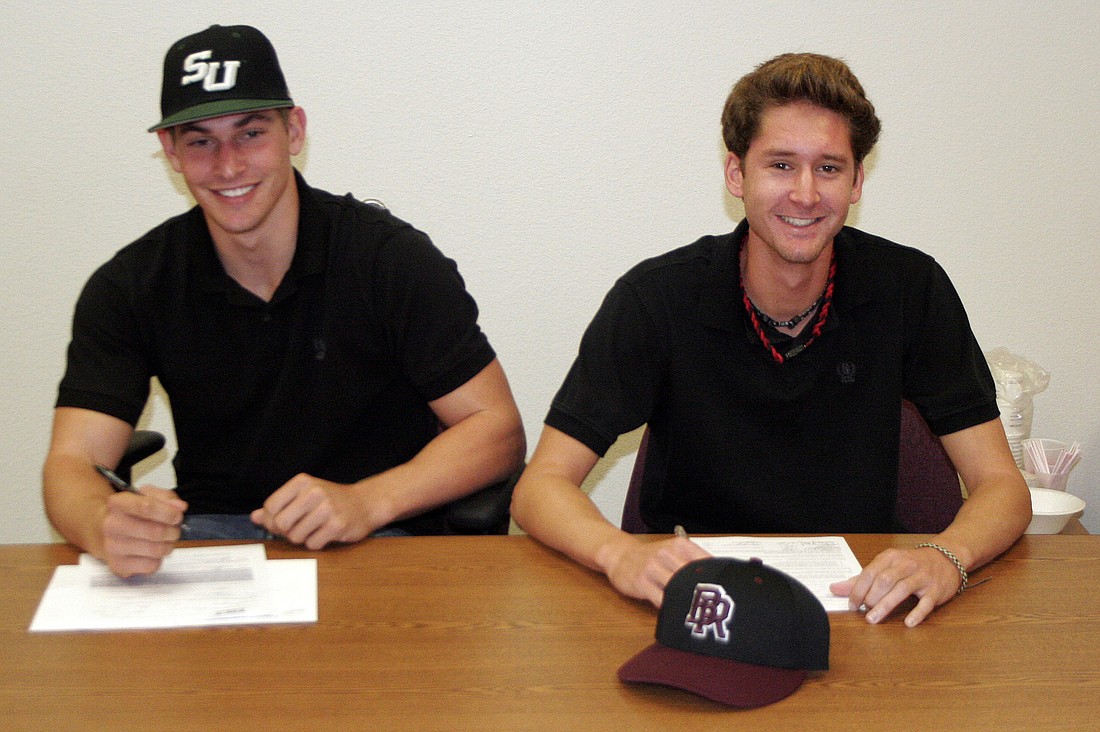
(610, 552)
(91, 535)
(964, 576)
(372, 504)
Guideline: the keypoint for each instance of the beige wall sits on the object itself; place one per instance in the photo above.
(549, 146)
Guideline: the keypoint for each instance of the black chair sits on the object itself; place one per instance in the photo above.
(143, 444)
(929, 493)
(483, 512)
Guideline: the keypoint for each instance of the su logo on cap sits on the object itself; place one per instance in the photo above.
(711, 609)
(196, 68)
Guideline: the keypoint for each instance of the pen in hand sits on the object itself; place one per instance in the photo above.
(116, 482)
(121, 485)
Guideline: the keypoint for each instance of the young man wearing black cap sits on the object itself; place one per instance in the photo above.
(312, 346)
(770, 365)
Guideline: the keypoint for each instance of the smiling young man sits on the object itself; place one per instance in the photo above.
(770, 364)
(311, 346)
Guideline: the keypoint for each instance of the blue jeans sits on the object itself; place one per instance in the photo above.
(228, 526)
(222, 526)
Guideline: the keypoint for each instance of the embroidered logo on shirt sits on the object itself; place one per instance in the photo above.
(711, 610)
(846, 370)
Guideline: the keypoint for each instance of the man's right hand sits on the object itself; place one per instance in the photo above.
(641, 569)
(139, 530)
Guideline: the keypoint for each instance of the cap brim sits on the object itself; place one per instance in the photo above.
(220, 109)
(727, 682)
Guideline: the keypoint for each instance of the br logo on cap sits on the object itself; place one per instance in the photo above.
(711, 609)
(781, 634)
(196, 68)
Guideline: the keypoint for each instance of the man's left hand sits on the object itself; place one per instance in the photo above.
(897, 574)
(313, 512)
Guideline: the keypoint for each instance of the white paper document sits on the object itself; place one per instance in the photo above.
(195, 586)
(815, 561)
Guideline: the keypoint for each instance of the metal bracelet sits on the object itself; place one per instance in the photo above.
(954, 560)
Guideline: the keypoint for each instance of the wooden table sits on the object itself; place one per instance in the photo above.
(499, 633)
(1075, 527)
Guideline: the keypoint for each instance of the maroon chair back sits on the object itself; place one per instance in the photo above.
(632, 514)
(929, 494)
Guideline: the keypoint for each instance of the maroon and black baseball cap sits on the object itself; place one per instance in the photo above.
(739, 633)
(225, 69)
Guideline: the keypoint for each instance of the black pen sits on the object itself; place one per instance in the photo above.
(121, 485)
(116, 482)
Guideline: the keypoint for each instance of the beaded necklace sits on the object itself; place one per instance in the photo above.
(787, 323)
(825, 301)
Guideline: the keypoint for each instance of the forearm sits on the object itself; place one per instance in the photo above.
(549, 504)
(557, 513)
(483, 448)
(998, 506)
(75, 497)
(993, 517)
(552, 508)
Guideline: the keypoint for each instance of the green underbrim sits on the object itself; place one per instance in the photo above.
(219, 109)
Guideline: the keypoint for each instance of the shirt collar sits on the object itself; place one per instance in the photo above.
(309, 252)
(719, 295)
(720, 303)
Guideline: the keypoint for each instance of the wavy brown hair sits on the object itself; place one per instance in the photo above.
(799, 77)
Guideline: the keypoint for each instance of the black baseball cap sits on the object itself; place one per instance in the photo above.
(225, 69)
(740, 633)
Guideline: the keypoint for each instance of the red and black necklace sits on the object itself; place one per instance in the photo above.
(822, 305)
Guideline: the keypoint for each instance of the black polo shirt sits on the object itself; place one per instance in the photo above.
(739, 443)
(331, 377)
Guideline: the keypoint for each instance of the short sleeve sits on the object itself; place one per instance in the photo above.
(612, 385)
(946, 374)
(107, 369)
(429, 318)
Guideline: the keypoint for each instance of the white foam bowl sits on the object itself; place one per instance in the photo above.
(1052, 510)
